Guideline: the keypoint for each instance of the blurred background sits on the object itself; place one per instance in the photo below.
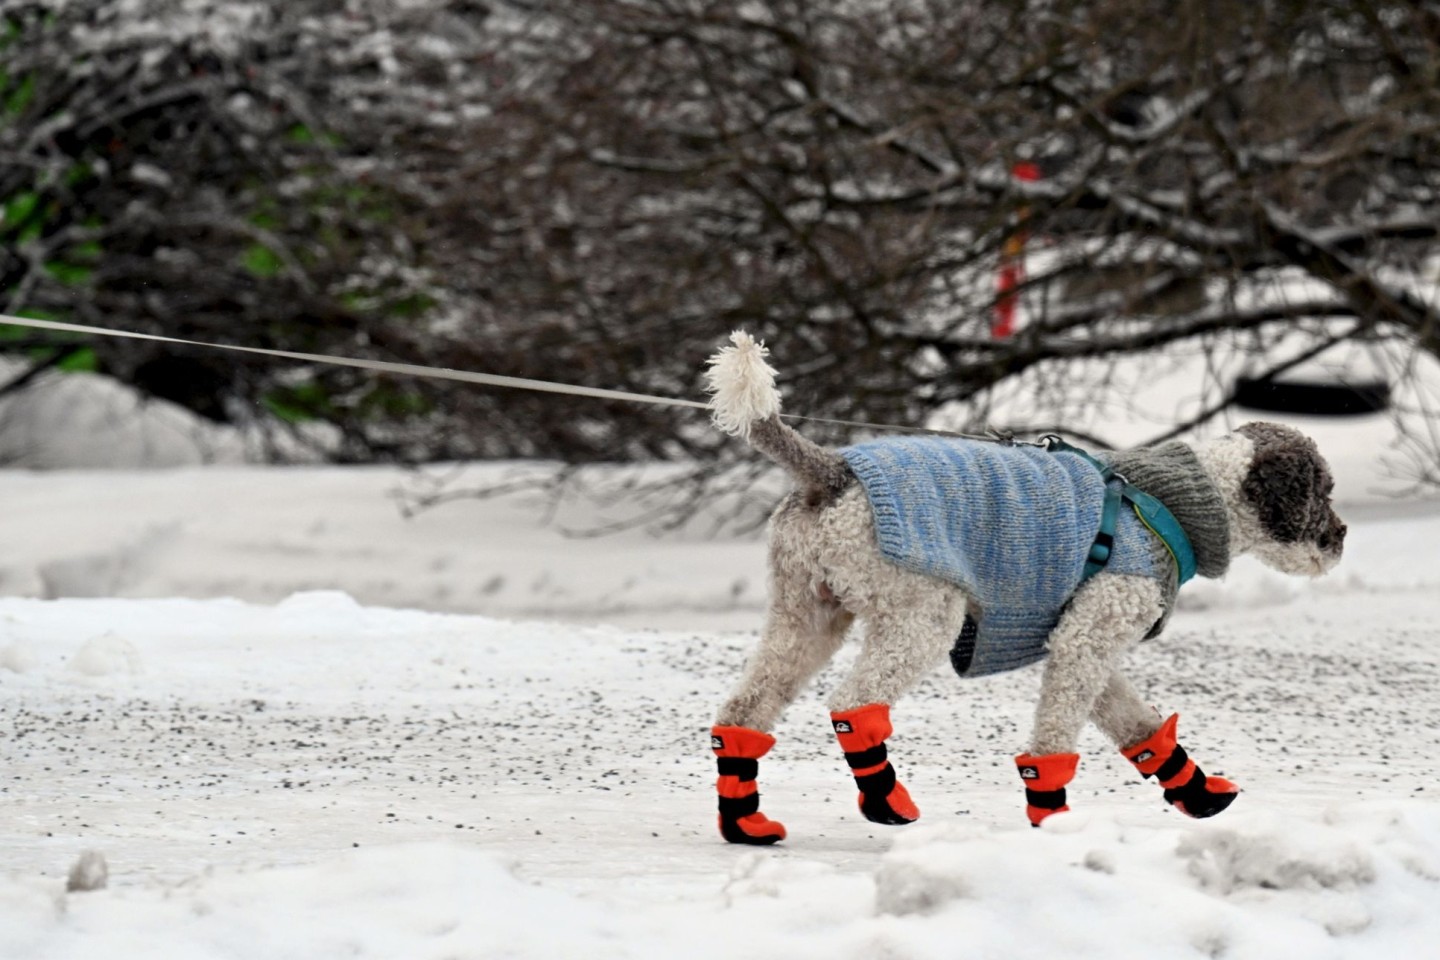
(1125, 221)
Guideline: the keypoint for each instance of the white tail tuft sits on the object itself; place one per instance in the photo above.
(742, 385)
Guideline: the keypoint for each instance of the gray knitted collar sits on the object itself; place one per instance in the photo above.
(1172, 474)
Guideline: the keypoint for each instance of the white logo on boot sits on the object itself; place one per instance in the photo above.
(843, 726)
(716, 743)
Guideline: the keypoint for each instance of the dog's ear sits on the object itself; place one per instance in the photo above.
(1289, 483)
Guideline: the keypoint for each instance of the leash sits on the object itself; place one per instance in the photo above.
(461, 376)
(1152, 512)
(381, 366)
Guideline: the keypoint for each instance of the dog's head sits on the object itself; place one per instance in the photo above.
(1280, 506)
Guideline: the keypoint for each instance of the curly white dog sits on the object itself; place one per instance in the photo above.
(999, 555)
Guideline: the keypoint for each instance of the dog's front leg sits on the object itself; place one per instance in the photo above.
(1136, 728)
(1106, 616)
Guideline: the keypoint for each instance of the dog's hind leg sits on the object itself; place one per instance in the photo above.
(903, 641)
(1150, 745)
(1105, 617)
(802, 632)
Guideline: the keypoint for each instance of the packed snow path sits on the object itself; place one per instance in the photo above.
(314, 776)
(358, 764)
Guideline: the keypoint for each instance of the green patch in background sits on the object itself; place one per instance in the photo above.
(261, 261)
(301, 134)
(79, 173)
(89, 251)
(81, 361)
(70, 274)
(386, 400)
(410, 306)
(308, 401)
(17, 95)
(19, 209)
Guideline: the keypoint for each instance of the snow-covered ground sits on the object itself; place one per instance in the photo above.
(303, 776)
(465, 735)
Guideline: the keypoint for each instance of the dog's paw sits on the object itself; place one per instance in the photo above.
(755, 829)
(893, 809)
(1203, 796)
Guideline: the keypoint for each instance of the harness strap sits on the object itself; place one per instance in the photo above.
(1104, 543)
(1156, 517)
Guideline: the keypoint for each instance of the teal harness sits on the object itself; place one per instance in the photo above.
(1152, 513)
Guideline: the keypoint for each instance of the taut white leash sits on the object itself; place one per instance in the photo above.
(433, 373)
(382, 366)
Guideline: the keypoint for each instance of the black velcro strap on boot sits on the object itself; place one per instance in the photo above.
(742, 768)
(861, 759)
(875, 790)
(1174, 765)
(1046, 799)
(734, 808)
(877, 784)
(1195, 798)
(1192, 789)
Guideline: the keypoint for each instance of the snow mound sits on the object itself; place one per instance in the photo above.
(106, 655)
(17, 658)
(88, 420)
(422, 900)
(1357, 882)
(1246, 858)
(323, 603)
(1352, 882)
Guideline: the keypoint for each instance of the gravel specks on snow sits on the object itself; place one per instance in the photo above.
(383, 782)
(301, 774)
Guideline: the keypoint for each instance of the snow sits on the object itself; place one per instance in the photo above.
(231, 704)
(261, 534)
(319, 778)
(251, 711)
(84, 419)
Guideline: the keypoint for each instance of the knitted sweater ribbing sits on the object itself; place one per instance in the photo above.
(1172, 473)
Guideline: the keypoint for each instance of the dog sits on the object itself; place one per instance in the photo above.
(998, 554)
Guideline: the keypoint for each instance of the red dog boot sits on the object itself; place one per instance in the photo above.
(1186, 785)
(1045, 779)
(738, 750)
(862, 733)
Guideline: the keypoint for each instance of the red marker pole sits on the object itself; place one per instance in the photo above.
(1012, 264)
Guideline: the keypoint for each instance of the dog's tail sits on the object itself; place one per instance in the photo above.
(744, 403)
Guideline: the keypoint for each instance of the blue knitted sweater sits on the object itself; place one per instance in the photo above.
(1010, 524)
